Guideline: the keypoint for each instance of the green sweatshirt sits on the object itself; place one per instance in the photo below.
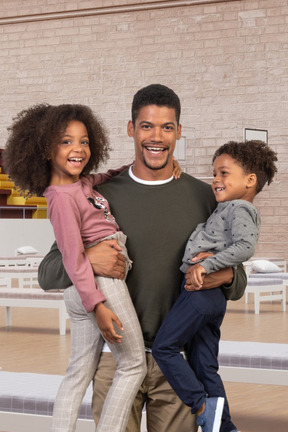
(158, 220)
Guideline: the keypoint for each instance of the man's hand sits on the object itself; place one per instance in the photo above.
(106, 259)
(213, 280)
(105, 319)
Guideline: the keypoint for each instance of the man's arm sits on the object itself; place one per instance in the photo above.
(232, 280)
(105, 259)
(51, 272)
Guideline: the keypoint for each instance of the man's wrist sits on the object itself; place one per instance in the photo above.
(231, 280)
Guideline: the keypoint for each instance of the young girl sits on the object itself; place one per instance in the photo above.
(226, 239)
(50, 151)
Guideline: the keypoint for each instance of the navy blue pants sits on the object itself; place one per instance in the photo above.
(194, 323)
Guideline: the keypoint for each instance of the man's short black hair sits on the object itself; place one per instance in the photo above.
(155, 94)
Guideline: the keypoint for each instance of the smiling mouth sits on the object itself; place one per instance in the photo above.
(79, 160)
(219, 189)
(154, 149)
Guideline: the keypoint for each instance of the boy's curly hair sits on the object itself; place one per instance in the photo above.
(254, 157)
(34, 134)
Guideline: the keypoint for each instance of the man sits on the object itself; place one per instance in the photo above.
(157, 213)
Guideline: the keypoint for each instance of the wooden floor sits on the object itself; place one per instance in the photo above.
(33, 344)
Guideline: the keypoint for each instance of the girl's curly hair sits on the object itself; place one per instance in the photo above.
(254, 157)
(34, 134)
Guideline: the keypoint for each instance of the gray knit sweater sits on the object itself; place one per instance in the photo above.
(231, 233)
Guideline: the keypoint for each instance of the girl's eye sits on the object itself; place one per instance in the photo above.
(66, 142)
(85, 142)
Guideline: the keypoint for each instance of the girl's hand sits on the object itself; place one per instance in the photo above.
(176, 169)
(105, 319)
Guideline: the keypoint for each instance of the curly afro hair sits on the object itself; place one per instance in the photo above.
(254, 157)
(34, 134)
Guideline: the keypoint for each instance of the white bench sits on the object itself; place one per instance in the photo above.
(28, 293)
(254, 362)
(266, 286)
(26, 403)
(26, 400)
(266, 289)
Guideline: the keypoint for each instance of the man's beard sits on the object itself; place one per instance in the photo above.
(155, 168)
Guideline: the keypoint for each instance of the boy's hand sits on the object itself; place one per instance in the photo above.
(196, 277)
(105, 319)
(176, 169)
(213, 280)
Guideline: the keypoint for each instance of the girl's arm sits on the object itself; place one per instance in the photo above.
(65, 217)
(176, 169)
(103, 177)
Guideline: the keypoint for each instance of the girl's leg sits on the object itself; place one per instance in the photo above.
(86, 346)
(129, 357)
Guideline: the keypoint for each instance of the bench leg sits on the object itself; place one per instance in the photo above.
(62, 320)
(8, 314)
(246, 297)
(257, 302)
(284, 299)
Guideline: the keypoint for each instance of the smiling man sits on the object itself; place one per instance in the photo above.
(157, 213)
(155, 131)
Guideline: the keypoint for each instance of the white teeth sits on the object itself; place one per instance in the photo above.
(155, 148)
(76, 159)
(219, 189)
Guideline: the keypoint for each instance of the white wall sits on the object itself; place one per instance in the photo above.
(15, 233)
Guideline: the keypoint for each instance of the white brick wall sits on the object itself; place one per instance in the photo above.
(227, 61)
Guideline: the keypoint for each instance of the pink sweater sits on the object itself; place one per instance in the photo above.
(80, 216)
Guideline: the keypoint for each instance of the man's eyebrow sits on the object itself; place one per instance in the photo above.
(150, 123)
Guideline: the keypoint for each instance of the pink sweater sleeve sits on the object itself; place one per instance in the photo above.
(66, 220)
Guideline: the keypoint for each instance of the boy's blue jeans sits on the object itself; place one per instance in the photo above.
(194, 323)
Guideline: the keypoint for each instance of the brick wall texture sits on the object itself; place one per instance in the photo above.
(227, 60)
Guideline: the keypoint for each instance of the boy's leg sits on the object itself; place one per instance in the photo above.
(202, 351)
(180, 326)
(86, 346)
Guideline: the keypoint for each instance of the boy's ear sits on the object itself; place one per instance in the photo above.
(252, 180)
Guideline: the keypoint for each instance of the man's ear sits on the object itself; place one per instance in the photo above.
(130, 129)
(251, 180)
(179, 128)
